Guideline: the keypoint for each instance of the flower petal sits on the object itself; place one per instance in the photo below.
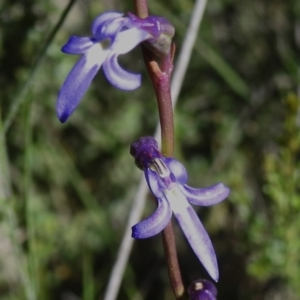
(177, 169)
(194, 231)
(154, 183)
(110, 29)
(206, 196)
(77, 45)
(78, 81)
(128, 39)
(155, 223)
(97, 26)
(118, 77)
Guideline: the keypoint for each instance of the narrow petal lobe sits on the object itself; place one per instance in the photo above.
(118, 77)
(78, 81)
(155, 223)
(206, 196)
(77, 45)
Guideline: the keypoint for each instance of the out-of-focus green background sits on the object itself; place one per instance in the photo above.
(66, 190)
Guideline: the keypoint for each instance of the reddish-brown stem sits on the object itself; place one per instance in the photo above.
(160, 71)
(172, 261)
(161, 83)
(141, 8)
(160, 76)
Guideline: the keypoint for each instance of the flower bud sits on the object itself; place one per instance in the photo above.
(161, 30)
(144, 150)
(202, 289)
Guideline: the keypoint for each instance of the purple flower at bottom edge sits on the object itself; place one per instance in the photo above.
(202, 289)
(113, 35)
(167, 178)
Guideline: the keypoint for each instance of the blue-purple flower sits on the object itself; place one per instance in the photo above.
(113, 35)
(202, 289)
(167, 178)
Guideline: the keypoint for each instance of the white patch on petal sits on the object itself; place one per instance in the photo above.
(128, 39)
(177, 200)
(96, 54)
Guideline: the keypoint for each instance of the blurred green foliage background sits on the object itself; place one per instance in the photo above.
(66, 190)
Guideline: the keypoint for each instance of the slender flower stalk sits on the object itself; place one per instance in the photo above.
(161, 79)
(161, 83)
(141, 8)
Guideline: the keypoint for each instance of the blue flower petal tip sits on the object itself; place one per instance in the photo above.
(63, 117)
